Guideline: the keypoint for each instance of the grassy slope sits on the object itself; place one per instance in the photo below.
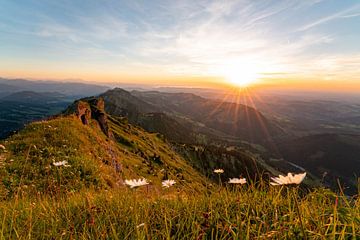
(95, 159)
(87, 200)
(152, 157)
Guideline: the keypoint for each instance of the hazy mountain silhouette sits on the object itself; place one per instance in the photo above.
(75, 89)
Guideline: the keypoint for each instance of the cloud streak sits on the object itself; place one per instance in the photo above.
(351, 12)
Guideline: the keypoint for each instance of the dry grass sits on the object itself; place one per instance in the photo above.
(247, 212)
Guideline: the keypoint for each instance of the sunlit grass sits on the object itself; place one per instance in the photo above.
(240, 212)
(39, 200)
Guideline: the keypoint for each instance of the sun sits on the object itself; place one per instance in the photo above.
(242, 76)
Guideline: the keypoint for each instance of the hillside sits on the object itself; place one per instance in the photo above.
(20, 108)
(306, 116)
(101, 150)
(162, 123)
(233, 119)
(123, 104)
(329, 156)
(203, 118)
(86, 198)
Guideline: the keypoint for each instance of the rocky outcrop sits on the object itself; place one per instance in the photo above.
(90, 108)
(98, 113)
(83, 112)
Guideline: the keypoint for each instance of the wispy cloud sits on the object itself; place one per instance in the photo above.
(353, 11)
(207, 46)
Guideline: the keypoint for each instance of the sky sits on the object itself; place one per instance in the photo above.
(307, 44)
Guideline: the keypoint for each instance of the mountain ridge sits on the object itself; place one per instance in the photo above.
(68, 88)
(194, 112)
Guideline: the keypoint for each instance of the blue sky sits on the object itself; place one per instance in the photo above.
(114, 40)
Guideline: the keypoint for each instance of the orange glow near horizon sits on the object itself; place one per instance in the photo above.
(234, 78)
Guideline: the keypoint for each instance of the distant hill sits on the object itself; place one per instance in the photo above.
(233, 119)
(74, 89)
(6, 89)
(123, 103)
(20, 108)
(330, 156)
(30, 96)
(304, 117)
(162, 123)
(199, 115)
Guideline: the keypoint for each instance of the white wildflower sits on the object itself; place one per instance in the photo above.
(219, 171)
(168, 183)
(289, 179)
(61, 163)
(237, 180)
(133, 183)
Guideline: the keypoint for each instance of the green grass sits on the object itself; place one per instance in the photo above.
(246, 212)
(88, 200)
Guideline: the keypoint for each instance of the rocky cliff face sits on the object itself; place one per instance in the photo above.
(91, 108)
(83, 111)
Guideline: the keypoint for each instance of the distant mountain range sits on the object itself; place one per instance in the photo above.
(74, 89)
(318, 137)
(23, 101)
(24, 107)
(304, 117)
(35, 97)
(330, 156)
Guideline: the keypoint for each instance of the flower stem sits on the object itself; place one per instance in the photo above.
(300, 218)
